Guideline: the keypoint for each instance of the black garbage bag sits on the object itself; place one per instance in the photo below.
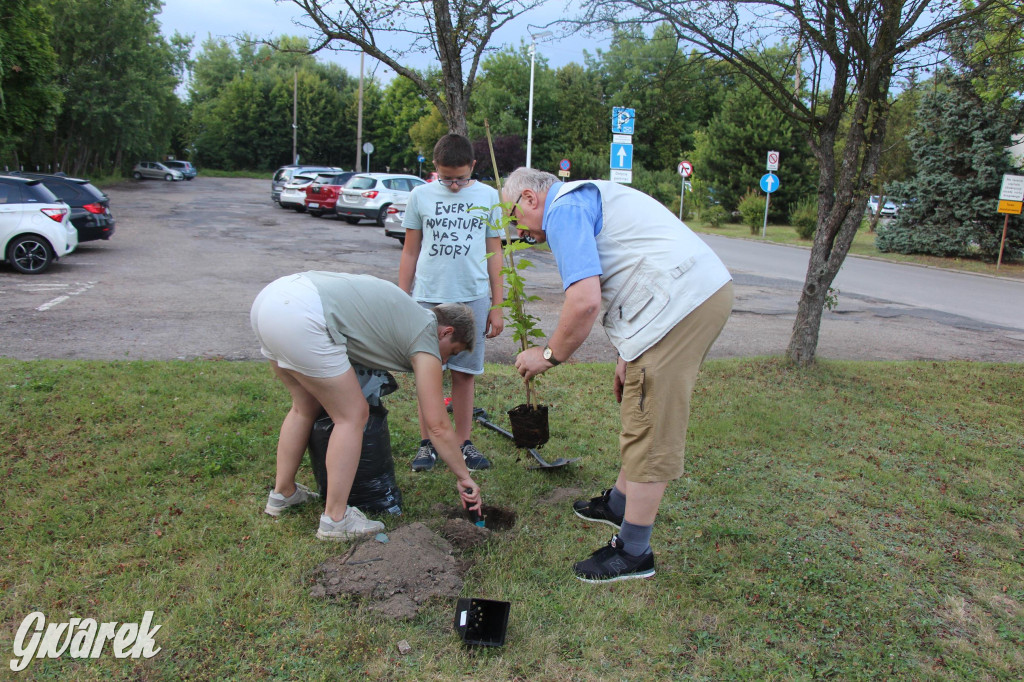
(374, 488)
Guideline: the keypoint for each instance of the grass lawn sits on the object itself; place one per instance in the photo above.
(851, 521)
(863, 245)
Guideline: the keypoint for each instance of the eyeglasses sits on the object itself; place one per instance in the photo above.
(461, 182)
(513, 221)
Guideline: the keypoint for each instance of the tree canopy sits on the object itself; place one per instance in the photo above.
(457, 35)
(848, 55)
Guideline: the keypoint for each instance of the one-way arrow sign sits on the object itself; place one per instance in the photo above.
(622, 157)
(769, 182)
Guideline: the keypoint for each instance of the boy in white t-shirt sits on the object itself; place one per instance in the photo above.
(445, 260)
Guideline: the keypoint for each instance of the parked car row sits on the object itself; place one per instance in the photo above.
(90, 207)
(327, 191)
(164, 170)
(35, 226)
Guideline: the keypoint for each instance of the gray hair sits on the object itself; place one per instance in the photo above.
(527, 178)
(460, 317)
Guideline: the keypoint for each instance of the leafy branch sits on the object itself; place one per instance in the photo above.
(525, 327)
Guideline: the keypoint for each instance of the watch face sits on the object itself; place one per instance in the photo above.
(547, 353)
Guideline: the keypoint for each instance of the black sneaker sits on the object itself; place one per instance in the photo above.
(597, 510)
(425, 457)
(611, 563)
(474, 460)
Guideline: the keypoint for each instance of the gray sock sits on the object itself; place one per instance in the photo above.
(636, 540)
(617, 502)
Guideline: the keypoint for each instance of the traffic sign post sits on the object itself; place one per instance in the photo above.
(623, 120)
(421, 159)
(621, 158)
(769, 183)
(368, 148)
(773, 161)
(563, 168)
(1011, 198)
(621, 163)
(685, 170)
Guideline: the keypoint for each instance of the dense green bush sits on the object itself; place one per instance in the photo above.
(948, 207)
(804, 217)
(714, 216)
(751, 208)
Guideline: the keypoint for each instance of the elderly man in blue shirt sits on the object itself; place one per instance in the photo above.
(664, 297)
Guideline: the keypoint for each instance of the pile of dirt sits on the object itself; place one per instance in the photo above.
(394, 578)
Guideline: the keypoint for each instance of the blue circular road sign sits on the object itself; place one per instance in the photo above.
(421, 158)
(564, 164)
(769, 182)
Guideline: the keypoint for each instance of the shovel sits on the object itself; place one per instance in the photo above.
(480, 415)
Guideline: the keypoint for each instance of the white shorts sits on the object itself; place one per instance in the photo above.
(288, 319)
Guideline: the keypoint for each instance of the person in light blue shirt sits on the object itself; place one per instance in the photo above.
(451, 255)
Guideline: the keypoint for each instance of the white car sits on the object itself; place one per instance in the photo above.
(35, 226)
(293, 194)
(889, 208)
(368, 195)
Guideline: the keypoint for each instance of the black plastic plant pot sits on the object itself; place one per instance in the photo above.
(529, 425)
(482, 622)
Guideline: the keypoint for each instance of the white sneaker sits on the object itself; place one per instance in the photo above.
(277, 502)
(352, 525)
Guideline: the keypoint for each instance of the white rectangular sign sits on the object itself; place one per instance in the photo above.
(1012, 189)
(622, 139)
(773, 161)
(623, 176)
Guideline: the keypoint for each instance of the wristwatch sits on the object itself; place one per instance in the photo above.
(549, 356)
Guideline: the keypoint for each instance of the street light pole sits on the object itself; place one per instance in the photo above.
(529, 121)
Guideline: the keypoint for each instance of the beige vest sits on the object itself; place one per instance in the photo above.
(656, 271)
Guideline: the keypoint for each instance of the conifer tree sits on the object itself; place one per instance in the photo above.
(959, 148)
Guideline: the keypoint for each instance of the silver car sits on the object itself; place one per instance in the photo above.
(393, 219)
(368, 195)
(155, 170)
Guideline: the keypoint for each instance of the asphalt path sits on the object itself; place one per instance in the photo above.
(178, 277)
(992, 300)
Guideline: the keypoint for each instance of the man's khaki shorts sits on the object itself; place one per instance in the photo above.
(655, 405)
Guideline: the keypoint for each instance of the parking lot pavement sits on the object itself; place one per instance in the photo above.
(178, 277)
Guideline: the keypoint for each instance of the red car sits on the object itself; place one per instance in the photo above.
(322, 194)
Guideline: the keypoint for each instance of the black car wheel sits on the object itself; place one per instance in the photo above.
(29, 254)
(137, 175)
(382, 214)
(352, 220)
(168, 177)
(315, 214)
(299, 209)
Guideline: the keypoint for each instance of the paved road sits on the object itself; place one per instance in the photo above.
(989, 300)
(179, 275)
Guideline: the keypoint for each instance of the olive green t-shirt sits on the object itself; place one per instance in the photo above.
(381, 325)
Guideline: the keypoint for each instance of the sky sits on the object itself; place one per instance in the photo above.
(265, 18)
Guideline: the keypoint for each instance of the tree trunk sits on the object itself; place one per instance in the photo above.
(454, 111)
(839, 212)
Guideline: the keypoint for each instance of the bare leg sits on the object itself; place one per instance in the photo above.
(343, 400)
(291, 443)
(462, 404)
